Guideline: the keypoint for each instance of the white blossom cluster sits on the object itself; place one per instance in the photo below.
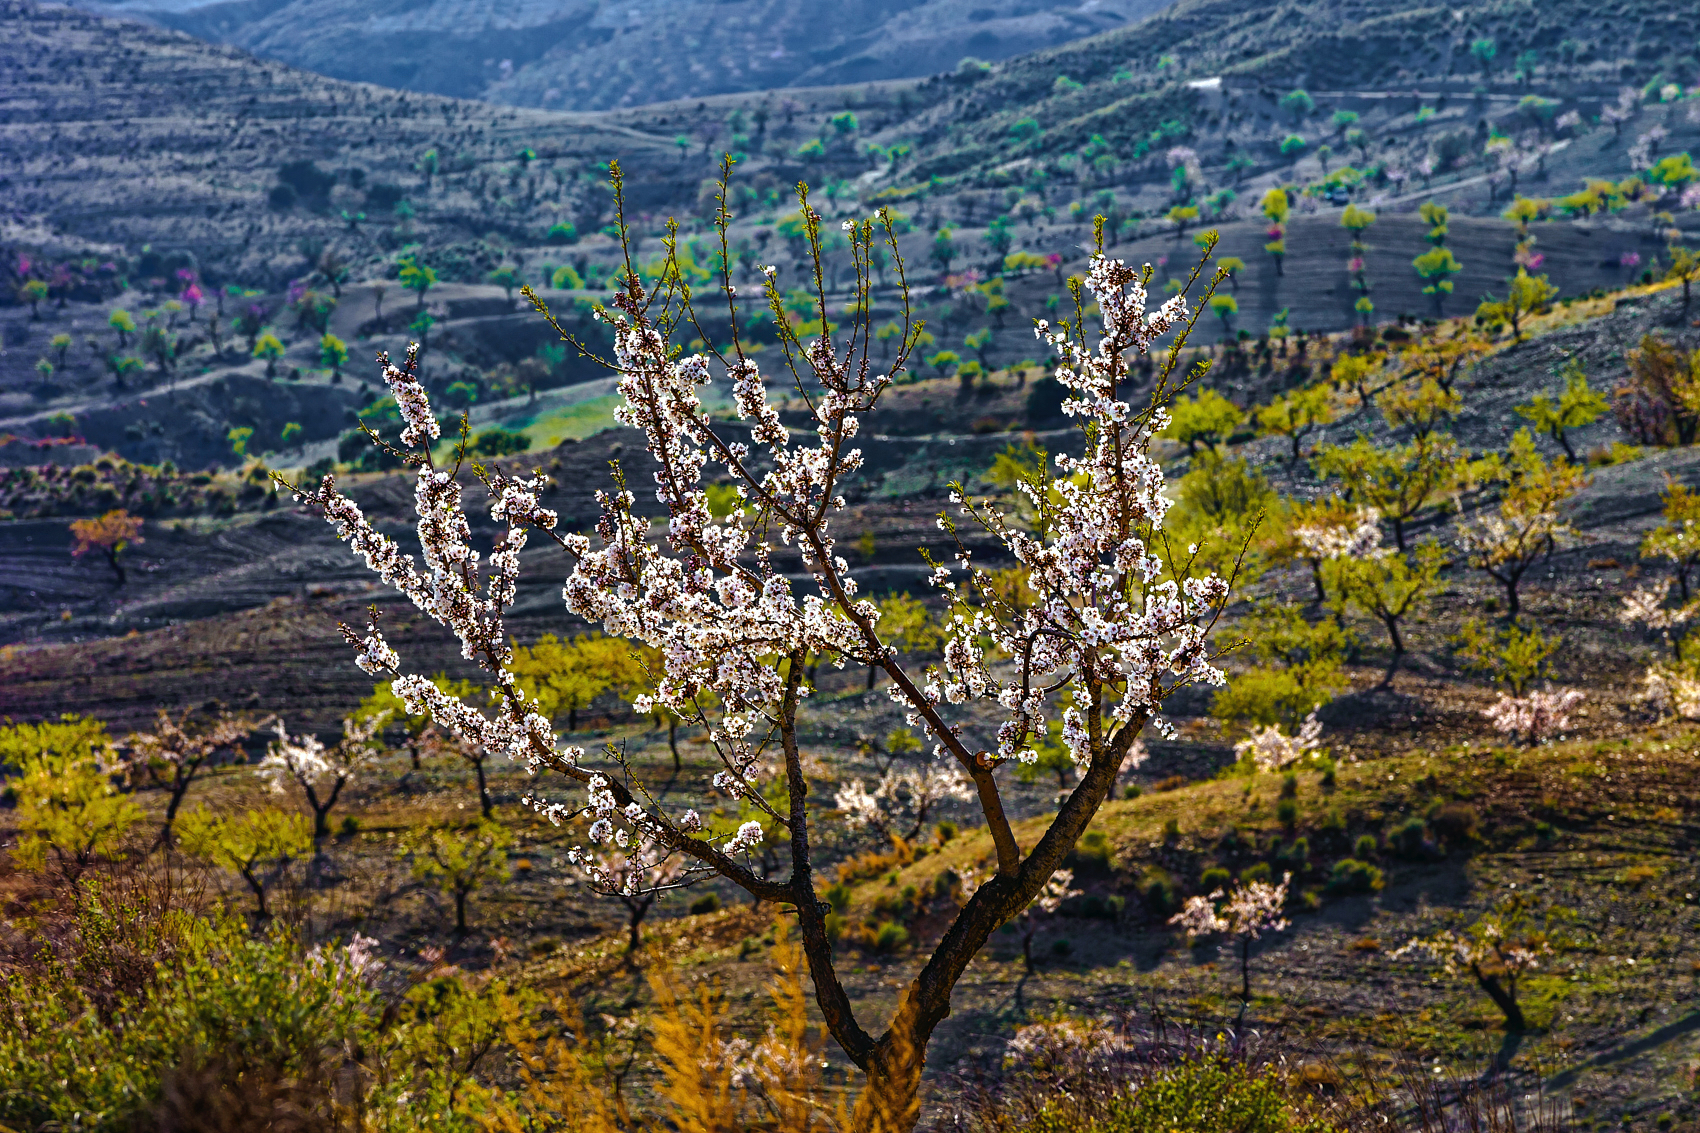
(1114, 627)
(1486, 946)
(1671, 691)
(1272, 750)
(352, 967)
(309, 764)
(1535, 715)
(1356, 538)
(1062, 1045)
(1251, 910)
(1646, 606)
(645, 867)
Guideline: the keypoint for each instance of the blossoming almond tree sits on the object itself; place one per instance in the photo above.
(1251, 910)
(1496, 951)
(176, 751)
(1120, 620)
(320, 772)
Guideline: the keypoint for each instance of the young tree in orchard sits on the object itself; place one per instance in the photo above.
(320, 773)
(1245, 914)
(1276, 208)
(270, 349)
(1388, 588)
(1443, 359)
(174, 754)
(1209, 417)
(1525, 295)
(1576, 408)
(1295, 415)
(121, 322)
(1437, 266)
(110, 534)
(1398, 481)
(635, 876)
(68, 810)
(257, 845)
(459, 862)
(1677, 539)
(1497, 951)
(1121, 622)
(1526, 526)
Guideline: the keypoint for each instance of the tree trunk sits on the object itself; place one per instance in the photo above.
(1505, 1000)
(890, 1101)
(484, 803)
(1392, 625)
(117, 567)
(673, 742)
(460, 911)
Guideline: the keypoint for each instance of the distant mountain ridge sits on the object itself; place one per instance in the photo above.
(601, 54)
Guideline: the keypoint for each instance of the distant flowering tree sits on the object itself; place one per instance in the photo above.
(1247, 912)
(1272, 750)
(1119, 624)
(1501, 947)
(635, 875)
(318, 772)
(174, 754)
(902, 799)
(110, 534)
(1535, 715)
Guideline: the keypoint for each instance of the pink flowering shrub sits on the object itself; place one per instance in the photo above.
(1535, 716)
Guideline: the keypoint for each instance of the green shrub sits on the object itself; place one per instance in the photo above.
(1204, 1095)
(1258, 872)
(1545, 831)
(1410, 839)
(500, 442)
(1333, 823)
(889, 937)
(1290, 785)
(1454, 822)
(707, 903)
(1092, 855)
(1214, 878)
(1158, 890)
(1287, 813)
(1353, 876)
(1365, 847)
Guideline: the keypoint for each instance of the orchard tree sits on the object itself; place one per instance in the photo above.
(1525, 295)
(1120, 624)
(1299, 104)
(1437, 266)
(1526, 525)
(507, 277)
(461, 861)
(416, 277)
(1497, 951)
(1576, 408)
(257, 845)
(270, 349)
(635, 876)
(110, 534)
(1677, 539)
(175, 753)
(61, 345)
(121, 322)
(67, 808)
(1398, 481)
(1684, 265)
(318, 772)
(1294, 415)
(1245, 914)
(1388, 588)
(1209, 417)
(333, 355)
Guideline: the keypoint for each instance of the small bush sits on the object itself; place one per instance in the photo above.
(1365, 847)
(1257, 872)
(1205, 1096)
(1158, 890)
(1290, 785)
(1172, 830)
(1287, 813)
(1410, 839)
(707, 903)
(1333, 823)
(1454, 822)
(1545, 831)
(1091, 857)
(945, 831)
(1353, 876)
(500, 442)
(1214, 878)
(889, 937)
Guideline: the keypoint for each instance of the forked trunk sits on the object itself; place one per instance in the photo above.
(890, 1101)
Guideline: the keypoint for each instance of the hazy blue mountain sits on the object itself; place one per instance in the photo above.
(597, 54)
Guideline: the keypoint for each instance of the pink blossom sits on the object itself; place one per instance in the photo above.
(1537, 715)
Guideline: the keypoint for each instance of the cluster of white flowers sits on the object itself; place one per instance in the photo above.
(1354, 537)
(309, 764)
(1535, 715)
(1486, 946)
(1272, 750)
(1646, 606)
(644, 869)
(1645, 146)
(1672, 691)
(903, 796)
(1251, 909)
